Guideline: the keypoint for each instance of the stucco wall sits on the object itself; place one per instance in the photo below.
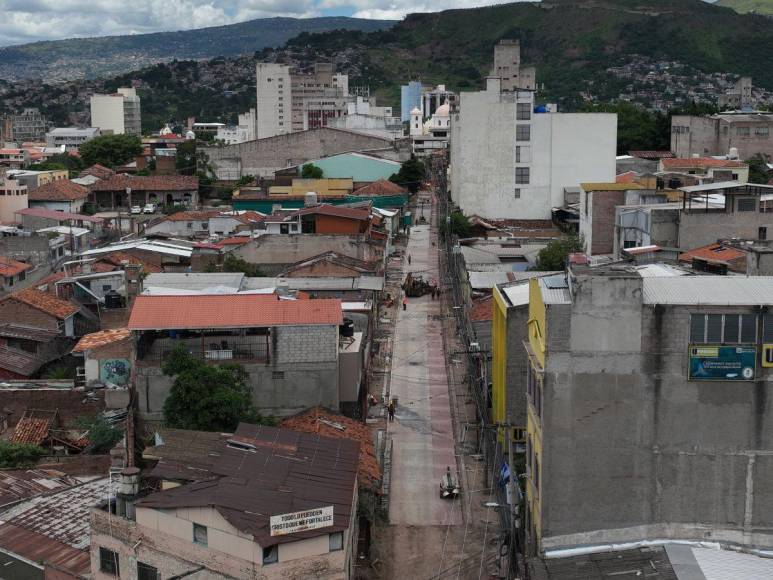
(631, 448)
(698, 229)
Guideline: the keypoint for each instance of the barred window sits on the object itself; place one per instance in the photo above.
(522, 132)
(723, 328)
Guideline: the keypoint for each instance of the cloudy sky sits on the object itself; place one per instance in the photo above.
(30, 20)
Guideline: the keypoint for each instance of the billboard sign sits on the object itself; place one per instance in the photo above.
(767, 355)
(722, 363)
(301, 521)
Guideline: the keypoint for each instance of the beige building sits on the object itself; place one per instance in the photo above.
(261, 503)
(13, 197)
(118, 113)
(748, 133)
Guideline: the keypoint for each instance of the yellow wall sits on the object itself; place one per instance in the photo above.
(499, 359)
(50, 175)
(326, 187)
(534, 434)
(537, 325)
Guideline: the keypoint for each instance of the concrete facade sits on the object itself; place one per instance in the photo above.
(274, 100)
(748, 132)
(118, 113)
(623, 446)
(70, 137)
(13, 197)
(506, 167)
(263, 157)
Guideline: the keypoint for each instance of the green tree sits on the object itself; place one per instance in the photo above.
(553, 256)
(110, 150)
(185, 158)
(14, 455)
(410, 176)
(311, 171)
(758, 168)
(101, 434)
(207, 397)
(457, 225)
(234, 263)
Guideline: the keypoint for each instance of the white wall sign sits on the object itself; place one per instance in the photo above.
(301, 521)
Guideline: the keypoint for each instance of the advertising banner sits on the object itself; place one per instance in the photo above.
(300, 521)
(722, 363)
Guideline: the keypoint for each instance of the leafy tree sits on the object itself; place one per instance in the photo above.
(758, 168)
(207, 397)
(457, 225)
(311, 171)
(110, 150)
(553, 256)
(410, 176)
(19, 454)
(72, 163)
(185, 158)
(234, 263)
(101, 434)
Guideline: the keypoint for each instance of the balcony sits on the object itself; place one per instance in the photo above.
(221, 347)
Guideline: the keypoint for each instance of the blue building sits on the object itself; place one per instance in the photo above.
(410, 97)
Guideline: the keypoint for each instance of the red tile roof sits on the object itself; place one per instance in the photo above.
(714, 253)
(627, 177)
(233, 241)
(118, 259)
(230, 311)
(60, 190)
(651, 154)
(184, 216)
(380, 187)
(45, 303)
(97, 170)
(31, 431)
(703, 162)
(10, 267)
(101, 338)
(482, 310)
(148, 183)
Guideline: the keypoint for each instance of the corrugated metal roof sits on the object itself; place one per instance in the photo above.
(487, 280)
(197, 281)
(554, 295)
(230, 311)
(724, 564)
(709, 290)
(517, 294)
(344, 283)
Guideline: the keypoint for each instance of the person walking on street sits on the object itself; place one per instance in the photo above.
(391, 410)
(405, 303)
(409, 259)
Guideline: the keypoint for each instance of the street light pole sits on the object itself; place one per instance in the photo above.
(128, 211)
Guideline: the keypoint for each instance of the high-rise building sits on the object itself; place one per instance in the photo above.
(507, 67)
(118, 113)
(29, 125)
(274, 100)
(512, 159)
(410, 98)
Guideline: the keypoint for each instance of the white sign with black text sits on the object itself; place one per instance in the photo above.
(301, 521)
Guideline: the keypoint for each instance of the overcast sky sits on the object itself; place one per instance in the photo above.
(30, 20)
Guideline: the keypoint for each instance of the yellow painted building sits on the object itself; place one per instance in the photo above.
(338, 187)
(536, 349)
(499, 348)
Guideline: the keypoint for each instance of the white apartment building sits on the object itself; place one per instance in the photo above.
(510, 162)
(274, 104)
(70, 137)
(118, 113)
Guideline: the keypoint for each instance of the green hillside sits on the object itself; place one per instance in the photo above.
(744, 6)
(571, 42)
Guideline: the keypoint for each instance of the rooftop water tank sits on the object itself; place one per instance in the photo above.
(310, 199)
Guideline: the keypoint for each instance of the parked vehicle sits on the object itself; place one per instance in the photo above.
(136, 209)
(149, 208)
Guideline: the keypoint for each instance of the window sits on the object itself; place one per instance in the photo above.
(278, 375)
(747, 204)
(523, 111)
(742, 131)
(108, 562)
(200, 534)
(517, 194)
(723, 328)
(522, 175)
(146, 572)
(190, 225)
(762, 233)
(522, 132)
(284, 228)
(270, 555)
(762, 131)
(336, 541)
(106, 287)
(629, 244)
(522, 154)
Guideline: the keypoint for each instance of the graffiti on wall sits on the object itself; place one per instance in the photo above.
(114, 370)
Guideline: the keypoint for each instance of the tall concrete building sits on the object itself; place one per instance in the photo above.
(274, 104)
(118, 113)
(746, 132)
(649, 408)
(507, 67)
(510, 159)
(29, 125)
(739, 97)
(410, 98)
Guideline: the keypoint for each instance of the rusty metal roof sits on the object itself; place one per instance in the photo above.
(269, 471)
(20, 484)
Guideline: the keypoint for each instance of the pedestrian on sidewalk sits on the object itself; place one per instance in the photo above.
(391, 410)
(405, 303)
(409, 259)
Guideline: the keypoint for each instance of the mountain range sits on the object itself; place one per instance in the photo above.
(110, 55)
(757, 6)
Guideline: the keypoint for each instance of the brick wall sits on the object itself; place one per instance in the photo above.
(306, 344)
(604, 203)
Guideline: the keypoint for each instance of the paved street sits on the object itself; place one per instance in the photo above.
(422, 433)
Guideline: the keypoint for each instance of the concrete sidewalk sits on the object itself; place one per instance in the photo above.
(422, 433)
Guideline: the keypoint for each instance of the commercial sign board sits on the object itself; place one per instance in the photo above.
(722, 363)
(301, 521)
